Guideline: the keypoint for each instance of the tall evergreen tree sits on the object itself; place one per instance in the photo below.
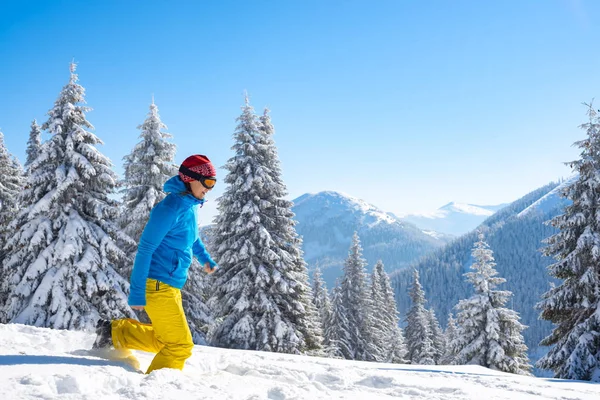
(449, 337)
(355, 295)
(418, 332)
(147, 168)
(380, 327)
(33, 144)
(60, 260)
(337, 338)
(194, 297)
(397, 349)
(437, 337)
(392, 343)
(262, 298)
(280, 224)
(11, 184)
(321, 299)
(573, 306)
(489, 334)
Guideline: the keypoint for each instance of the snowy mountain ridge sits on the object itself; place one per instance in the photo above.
(370, 214)
(327, 220)
(550, 200)
(55, 364)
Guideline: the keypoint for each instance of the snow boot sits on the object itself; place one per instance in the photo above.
(103, 335)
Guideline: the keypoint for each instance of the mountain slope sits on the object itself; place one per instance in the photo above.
(516, 238)
(327, 220)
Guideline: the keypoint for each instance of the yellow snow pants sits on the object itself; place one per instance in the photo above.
(168, 336)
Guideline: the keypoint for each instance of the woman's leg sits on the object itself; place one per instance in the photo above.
(165, 309)
(134, 335)
(131, 334)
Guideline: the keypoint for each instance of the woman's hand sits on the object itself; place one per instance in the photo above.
(141, 308)
(208, 269)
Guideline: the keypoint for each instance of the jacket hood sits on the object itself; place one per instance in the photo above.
(176, 186)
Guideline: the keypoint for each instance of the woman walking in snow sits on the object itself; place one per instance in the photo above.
(160, 270)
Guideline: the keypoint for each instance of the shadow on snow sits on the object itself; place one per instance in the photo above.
(19, 359)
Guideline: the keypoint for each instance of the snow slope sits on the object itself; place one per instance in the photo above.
(41, 363)
(550, 200)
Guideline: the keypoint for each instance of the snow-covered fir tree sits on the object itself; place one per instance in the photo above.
(488, 333)
(397, 349)
(437, 337)
(337, 337)
(147, 168)
(380, 324)
(59, 262)
(449, 337)
(281, 226)
(194, 296)
(391, 343)
(356, 297)
(321, 298)
(419, 346)
(11, 184)
(33, 144)
(262, 298)
(574, 305)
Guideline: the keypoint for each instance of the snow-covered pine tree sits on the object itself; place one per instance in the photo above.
(194, 298)
(262, 298)
(380, 326)
(573, 306)
(321, 299)
(337, 337)
(11, 184)
(488, 333)
(397, 350)
(437, 336)
(393, 347)
(280, 225)
(60, 259)
(417, 331)
(147, 168)
(449, 337)
(33, 144)
(356, 297)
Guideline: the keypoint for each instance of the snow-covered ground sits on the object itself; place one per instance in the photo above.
(38, 363)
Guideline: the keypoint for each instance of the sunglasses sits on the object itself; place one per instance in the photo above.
(208, 182)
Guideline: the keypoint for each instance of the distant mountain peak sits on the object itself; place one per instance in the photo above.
(466, 208)
(344, 202)
(327, 221)
(453, 218)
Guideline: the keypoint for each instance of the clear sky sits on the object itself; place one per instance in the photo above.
(406, 104)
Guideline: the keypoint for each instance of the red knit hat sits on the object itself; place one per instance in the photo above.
(199, 164)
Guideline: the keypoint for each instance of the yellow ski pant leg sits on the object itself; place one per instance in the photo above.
(170, 327)
(133, 335)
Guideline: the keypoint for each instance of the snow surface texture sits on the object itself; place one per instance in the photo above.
(53, 364)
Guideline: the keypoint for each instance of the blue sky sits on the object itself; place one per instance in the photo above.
(405, 104)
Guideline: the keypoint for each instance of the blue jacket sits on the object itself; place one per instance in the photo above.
(168, 242)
